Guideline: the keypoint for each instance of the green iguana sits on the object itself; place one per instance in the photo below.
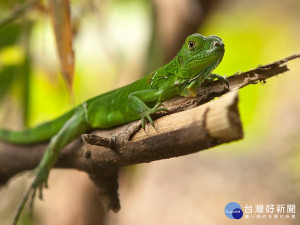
(193, 64)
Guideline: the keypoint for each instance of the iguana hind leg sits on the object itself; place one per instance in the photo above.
(74, 127)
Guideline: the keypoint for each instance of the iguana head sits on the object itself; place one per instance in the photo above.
(199, 55)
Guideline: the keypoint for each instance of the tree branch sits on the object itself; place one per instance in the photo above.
(181, 132)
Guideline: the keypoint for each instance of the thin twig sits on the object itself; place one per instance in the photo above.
(17, 12)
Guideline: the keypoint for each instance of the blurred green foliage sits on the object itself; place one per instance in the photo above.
(251, 40)
(10, 56)
(15, 64)
(109, 41)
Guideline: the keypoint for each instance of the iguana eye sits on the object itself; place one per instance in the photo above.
(216, 44)
(191, 44)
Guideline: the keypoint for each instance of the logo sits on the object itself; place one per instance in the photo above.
(233, 211)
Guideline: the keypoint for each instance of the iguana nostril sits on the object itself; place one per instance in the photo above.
(218, 44)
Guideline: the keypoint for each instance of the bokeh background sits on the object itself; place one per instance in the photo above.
(115, 43)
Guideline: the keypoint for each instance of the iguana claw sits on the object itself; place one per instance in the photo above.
(39, 182)
(218, 77)
(146, 115)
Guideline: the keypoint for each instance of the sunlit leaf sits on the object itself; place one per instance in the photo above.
(60, 14)
(11, 55)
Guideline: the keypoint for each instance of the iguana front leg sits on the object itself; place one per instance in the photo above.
(191, 89)
(213, 76)
(74, 127)
(138, 103)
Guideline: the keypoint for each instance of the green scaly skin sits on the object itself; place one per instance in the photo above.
(193, 64)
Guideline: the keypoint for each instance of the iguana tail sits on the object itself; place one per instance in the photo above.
(40, 133)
